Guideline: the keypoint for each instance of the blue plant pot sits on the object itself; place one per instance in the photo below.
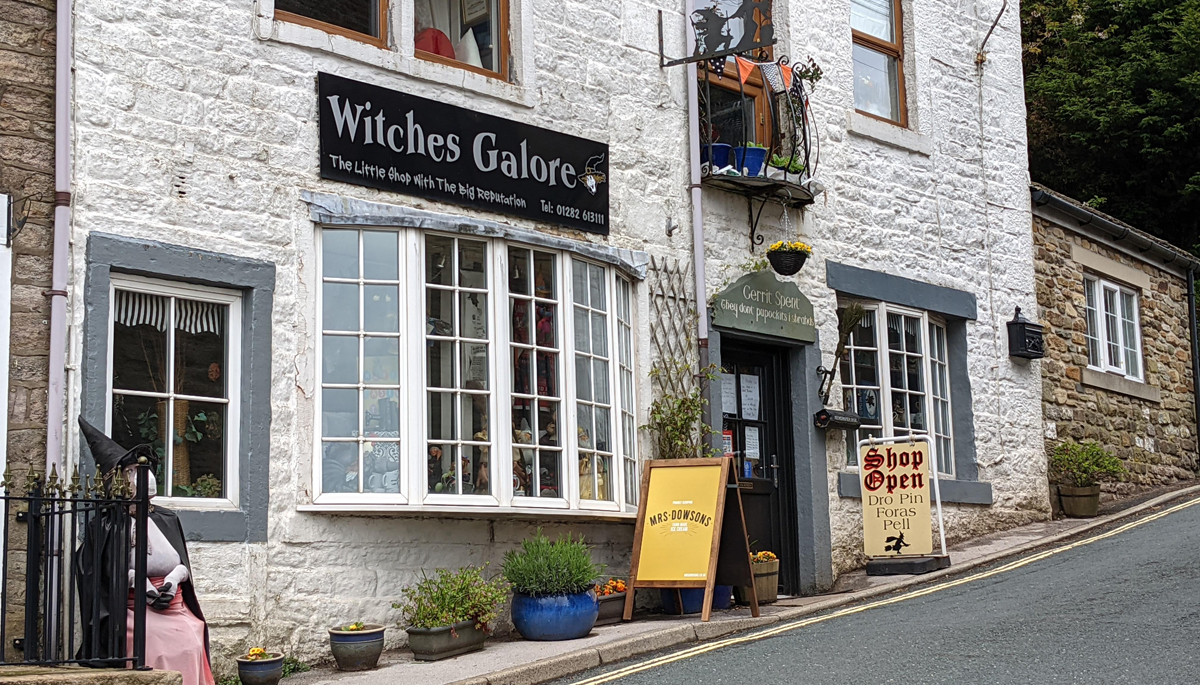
(693, 600)
(751, 159)
(266, 671)
(356, 650)
(557, 617)
(717, 153)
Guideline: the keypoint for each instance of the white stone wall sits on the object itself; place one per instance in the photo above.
(195, 124)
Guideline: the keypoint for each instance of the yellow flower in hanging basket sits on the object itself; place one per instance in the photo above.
(790, 246)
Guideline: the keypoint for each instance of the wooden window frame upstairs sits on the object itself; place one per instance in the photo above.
(754, 89)
(502, 50)
(895, 50)
(380, 41)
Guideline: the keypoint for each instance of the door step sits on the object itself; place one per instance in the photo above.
(911, 566)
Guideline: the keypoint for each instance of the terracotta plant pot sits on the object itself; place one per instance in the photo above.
(612, 609)
(431, 644)
(265, 671)
(356, 650)
(1079, 502)
(766, 583)
(787, 263)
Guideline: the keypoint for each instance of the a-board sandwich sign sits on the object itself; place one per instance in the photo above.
(896, 498)
(385, 139)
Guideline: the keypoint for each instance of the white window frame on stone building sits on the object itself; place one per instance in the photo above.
(232, 373)
(1114, 333)
(930, 355)
(493, 382)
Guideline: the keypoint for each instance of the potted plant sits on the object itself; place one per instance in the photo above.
(788, 256)
(611, 597)
(749, 160)
(356, 646)
(785, 169)
(554, 595)
(1078, 469)
(449, 614)
(765, 566)
(717, 154)
(260, 667)
(691, 600)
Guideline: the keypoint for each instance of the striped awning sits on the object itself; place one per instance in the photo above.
(136, 309)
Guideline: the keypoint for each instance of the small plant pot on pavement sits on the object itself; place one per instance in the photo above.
(766, 583)
(431, 644)
(1079, 502)
(555, 617)
(356, 650)
(693, 600)
(265, 671)
(612, 609)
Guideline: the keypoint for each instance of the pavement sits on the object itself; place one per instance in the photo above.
(513, 661)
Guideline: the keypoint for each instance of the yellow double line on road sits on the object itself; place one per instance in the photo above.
(794, 625)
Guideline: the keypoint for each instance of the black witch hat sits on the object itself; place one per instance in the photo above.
(108, 454)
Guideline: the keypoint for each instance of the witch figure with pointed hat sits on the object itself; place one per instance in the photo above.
(176, 634)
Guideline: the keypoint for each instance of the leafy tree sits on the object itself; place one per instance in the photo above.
(1113, 95)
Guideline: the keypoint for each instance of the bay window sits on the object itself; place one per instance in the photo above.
(895, 377)
(511, 355)
(1113, 328)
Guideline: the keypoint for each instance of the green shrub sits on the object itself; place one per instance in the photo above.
(543, 568)
(1083, 464)
(292, 666)
(449, 597)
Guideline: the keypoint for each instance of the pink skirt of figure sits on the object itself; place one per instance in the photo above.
(174, 640)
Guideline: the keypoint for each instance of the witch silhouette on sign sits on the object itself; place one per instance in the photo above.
(895, 543)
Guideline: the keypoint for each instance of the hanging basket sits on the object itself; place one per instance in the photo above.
(786, 263)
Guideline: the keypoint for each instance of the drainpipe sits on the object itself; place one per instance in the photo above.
(62, 239)
(1195, 351)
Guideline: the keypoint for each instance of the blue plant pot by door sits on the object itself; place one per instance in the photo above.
(693, 600)
(749, 160)
(558, 617)
(717, 153)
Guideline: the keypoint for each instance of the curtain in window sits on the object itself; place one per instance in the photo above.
(135, 309)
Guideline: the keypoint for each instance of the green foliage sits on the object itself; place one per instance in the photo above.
(292, 666)
(449, 597)
(229, 680)
(1083, 464)
(793, 166)
(543, 568)
(676, 422)
(1113, 98)
(750, 144)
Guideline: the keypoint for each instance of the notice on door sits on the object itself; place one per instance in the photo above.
(750, 398)
(895, 498)
(677, 537)
(728, 393)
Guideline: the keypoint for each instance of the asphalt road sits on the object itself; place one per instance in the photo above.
(1125, 609)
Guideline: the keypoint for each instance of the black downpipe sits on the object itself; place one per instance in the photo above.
(1195, 354)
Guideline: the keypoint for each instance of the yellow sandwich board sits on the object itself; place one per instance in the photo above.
(895, 480)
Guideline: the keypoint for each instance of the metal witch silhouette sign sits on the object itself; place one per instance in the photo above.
(724, 27)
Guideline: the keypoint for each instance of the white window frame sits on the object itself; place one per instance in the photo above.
(232, 372)
(414, 375)
(1096, 287)
(882, 368)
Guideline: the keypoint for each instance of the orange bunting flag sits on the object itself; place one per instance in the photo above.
(745, 68)
(787, 78)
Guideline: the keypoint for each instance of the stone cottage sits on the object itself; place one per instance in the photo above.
(384, 281)
(1119, 309)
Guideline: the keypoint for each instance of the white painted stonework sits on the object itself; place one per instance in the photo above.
(195, 124)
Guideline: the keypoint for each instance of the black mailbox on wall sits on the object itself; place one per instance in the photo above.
(1025, 338)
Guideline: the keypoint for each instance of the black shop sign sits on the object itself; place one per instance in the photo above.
(386, 139)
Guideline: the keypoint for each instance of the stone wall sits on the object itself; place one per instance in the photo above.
(27, 35)
(1155, 440)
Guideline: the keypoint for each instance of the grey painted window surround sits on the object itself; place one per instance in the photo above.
(957, 307)
(256, 279)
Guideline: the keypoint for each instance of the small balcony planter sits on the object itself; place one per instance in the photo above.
(788, 257)
(260, 667)
(358, 649)
(432, 644)
(554, 593)
(693, 600)
(749, 160)
(717, 154)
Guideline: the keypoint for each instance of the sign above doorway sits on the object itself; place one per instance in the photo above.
(761, 303)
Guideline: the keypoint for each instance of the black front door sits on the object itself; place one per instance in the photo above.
(757, 429)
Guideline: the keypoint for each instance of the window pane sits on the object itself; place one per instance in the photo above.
(439, 312)
(339, 359)
(868, 406)
(579, 281)
(518, 271)
(472, 265)
(465, 31)
(899, 410)
(599, 335)
(916, 412)
(200, 339)
(1130, 330)
(381, 466)
(439, 260)
(356, 15)
(520, 321)
(603, 429)
(547, 374)
(339, 307)
(604, 484)
(522, 370)
(475, 417)
(139, 420)
(549, 470)
(546, 325)
(339, 467)
(600, 381)
(440, 471)
(140, 342)
(475, 366)
(912, 335)
(583, 378)
(440, 363)
(896, 362)
(915, 379)
(895, 337)
(339, 413)
(1112, 326)
(1093, 326)
(476, 471)
(596, 287)
(543, 275)
(732, 122)
(548, 424)
(381, 308)
(381, 413)
(473, 315)
(873, 17)
(585, 428)
(339, 253)
(876, 83)
(865, 372)
(441, 416)
(583, 335)
(381, 361)
(864, 332)
(381, 255)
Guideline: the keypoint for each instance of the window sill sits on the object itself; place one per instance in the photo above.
(280, 31)
(1124, 386)
(463, 512)
(957, 491)
(887, 133)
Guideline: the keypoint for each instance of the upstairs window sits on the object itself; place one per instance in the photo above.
(1114, 333)
(364, 20)
(471, 34)
(878, 59)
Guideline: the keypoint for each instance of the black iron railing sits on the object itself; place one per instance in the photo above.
(67, 591)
